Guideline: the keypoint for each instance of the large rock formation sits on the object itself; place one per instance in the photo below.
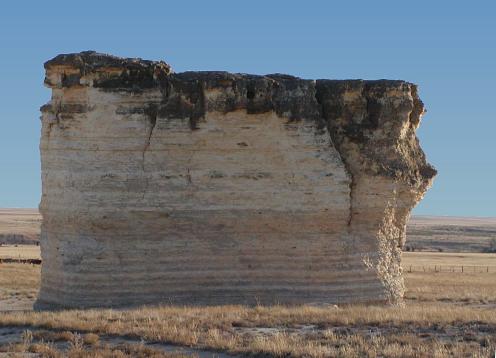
(213, 188)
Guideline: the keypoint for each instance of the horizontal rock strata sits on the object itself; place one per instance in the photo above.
(215, 188)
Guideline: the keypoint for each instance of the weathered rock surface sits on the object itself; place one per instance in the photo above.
(214, 188)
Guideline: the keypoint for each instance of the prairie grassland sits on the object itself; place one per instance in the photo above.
(473, 286)
(76, 346)
(303, 331)
(20, 251)
(446, 314)
(448, 259)
(466, 288)
(450, 234)
(18, 282)
(19, 226)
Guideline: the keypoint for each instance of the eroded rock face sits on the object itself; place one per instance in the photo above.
(215, 188)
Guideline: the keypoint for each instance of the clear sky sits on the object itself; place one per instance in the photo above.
(447, 47)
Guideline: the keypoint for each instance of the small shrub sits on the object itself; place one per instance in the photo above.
(27, 338)
(91, 339)
(46, 350)
(65, 336)
(77, 343)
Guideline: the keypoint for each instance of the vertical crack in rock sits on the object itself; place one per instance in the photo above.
(151, 113)
(322, 186)
(197, 99)
(350, 215)
(327, 119)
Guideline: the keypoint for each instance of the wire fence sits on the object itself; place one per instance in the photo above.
(450, 268)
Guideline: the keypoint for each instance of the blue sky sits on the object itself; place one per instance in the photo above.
(447, 47)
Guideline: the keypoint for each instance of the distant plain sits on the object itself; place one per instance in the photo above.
(424, 233)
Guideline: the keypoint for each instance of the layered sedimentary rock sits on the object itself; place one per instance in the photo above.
(214, 188)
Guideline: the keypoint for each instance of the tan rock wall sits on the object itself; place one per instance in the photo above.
(213, 188)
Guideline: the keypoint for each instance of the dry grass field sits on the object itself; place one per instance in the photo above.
(450, 234)
(19, 226)
(446, 314)
(18, 286)
(449, 259)
(413, 331)
(20, 251)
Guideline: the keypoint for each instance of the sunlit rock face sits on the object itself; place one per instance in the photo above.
(220, 188)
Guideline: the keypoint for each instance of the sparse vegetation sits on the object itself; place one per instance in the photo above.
(450, 234)
(277, 331)
(18, 282)
(446, 314)
(20, 251)
(49, 350)
(19, 226)
(467, 288)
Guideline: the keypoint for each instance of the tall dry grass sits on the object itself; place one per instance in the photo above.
(18, 281)
(451, 287)
(436, 321)
(348, 331)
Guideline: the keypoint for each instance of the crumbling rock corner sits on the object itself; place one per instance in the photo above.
(215, 188)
